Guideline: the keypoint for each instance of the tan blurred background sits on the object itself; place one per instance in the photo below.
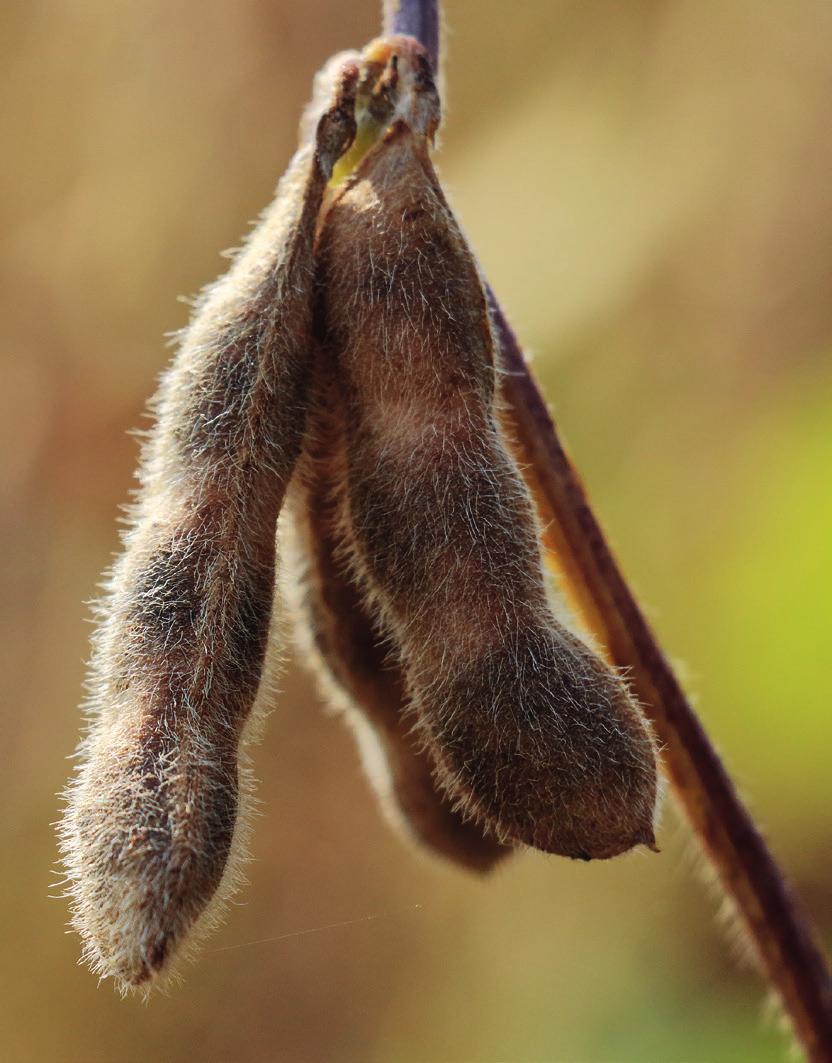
(649, 186)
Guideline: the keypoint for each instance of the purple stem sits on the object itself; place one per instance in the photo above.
(415, 18)
(782, 935)
(778, 926)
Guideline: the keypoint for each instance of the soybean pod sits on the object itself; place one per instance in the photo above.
(355, 660)
(530, 731)
(151, 835)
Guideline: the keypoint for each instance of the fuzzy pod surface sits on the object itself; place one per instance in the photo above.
(424, 591)
(151, 835)
(530, 731)
(356, 662)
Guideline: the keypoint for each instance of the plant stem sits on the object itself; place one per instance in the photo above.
(415, 18)
(778, 927)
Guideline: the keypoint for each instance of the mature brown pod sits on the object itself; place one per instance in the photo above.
(151, 829)
(354, 660)
(529, 730)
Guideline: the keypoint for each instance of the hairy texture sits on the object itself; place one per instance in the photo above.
(530, 731)
(151, 827)
(355, 661)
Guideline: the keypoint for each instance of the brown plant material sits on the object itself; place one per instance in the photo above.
(531, 733)
(151, 835)
(354, 660)
(421, 581)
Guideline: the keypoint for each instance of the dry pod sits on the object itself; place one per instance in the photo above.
(416, 534)
(355, 661)
(529, 731)
(151, 828)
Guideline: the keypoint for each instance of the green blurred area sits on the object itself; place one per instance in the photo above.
(648, 185)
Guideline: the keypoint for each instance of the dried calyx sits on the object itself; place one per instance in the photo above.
(395, 83)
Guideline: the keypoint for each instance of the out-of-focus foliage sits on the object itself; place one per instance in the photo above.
(649, 187)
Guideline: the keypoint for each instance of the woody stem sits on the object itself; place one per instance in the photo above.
(776, 922)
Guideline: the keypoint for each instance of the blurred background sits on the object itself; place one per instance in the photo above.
(649, 186)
